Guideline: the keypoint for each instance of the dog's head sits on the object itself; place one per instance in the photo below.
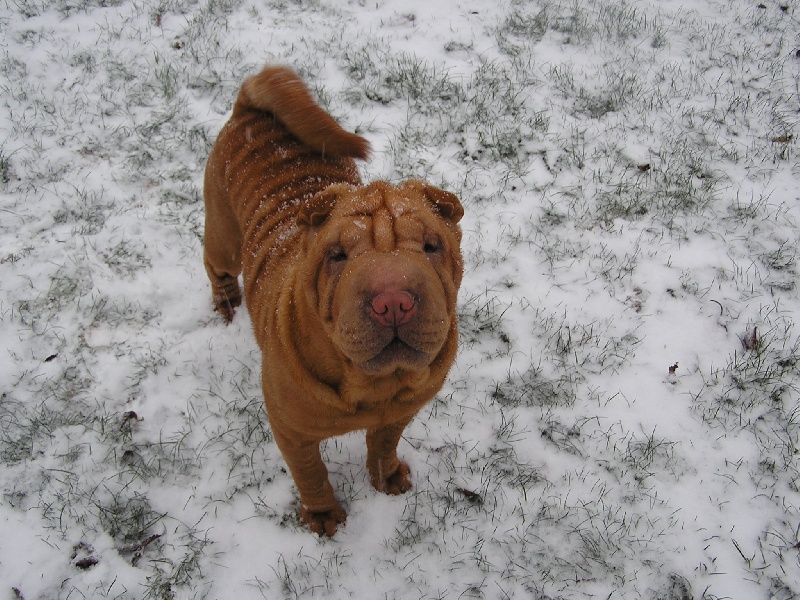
(383, 270)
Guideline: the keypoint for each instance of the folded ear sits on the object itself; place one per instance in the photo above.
(314, 210)
(445, 203)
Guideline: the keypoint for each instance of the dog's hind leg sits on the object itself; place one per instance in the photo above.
(222, 247)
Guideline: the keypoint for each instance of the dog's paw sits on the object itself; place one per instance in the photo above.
(323, 522)
(226, 310)
(226, 300)
(397, 483)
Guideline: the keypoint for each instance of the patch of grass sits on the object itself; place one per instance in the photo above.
(755, 380)
(182, 567)
(577, 23)
(127, 257)
(488, 113)
(294, 572)
(480, 315)
(6, 171)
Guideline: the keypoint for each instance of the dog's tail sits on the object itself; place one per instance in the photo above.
(280, 91)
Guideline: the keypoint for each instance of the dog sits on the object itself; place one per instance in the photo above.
(351, 287)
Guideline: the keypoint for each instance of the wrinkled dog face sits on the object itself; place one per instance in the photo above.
(388, 267)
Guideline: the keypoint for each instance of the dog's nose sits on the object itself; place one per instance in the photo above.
(393, 308)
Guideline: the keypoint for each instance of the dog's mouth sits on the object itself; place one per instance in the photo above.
(397, 354)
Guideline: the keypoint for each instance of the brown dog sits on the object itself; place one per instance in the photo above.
(351, 288)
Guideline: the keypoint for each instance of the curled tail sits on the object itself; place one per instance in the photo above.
(280, 91)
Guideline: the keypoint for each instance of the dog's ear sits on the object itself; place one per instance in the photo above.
(314, 210)
(445, 203)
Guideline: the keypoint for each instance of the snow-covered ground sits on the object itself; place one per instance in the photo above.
(623, 419)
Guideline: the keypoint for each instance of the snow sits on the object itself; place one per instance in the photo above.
(629, 177)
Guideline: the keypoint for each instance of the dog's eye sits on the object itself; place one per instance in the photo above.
(336, 254)
(432, 246)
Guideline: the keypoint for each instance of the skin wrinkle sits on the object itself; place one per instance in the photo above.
(383, 236)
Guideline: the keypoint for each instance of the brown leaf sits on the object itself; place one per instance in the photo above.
(751, 340)
(138, 548)
(473, 497)
(86, 563)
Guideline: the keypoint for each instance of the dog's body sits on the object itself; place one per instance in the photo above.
(351, 289)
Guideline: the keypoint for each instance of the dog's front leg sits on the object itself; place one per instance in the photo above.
(319, 509)
(388, 473)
